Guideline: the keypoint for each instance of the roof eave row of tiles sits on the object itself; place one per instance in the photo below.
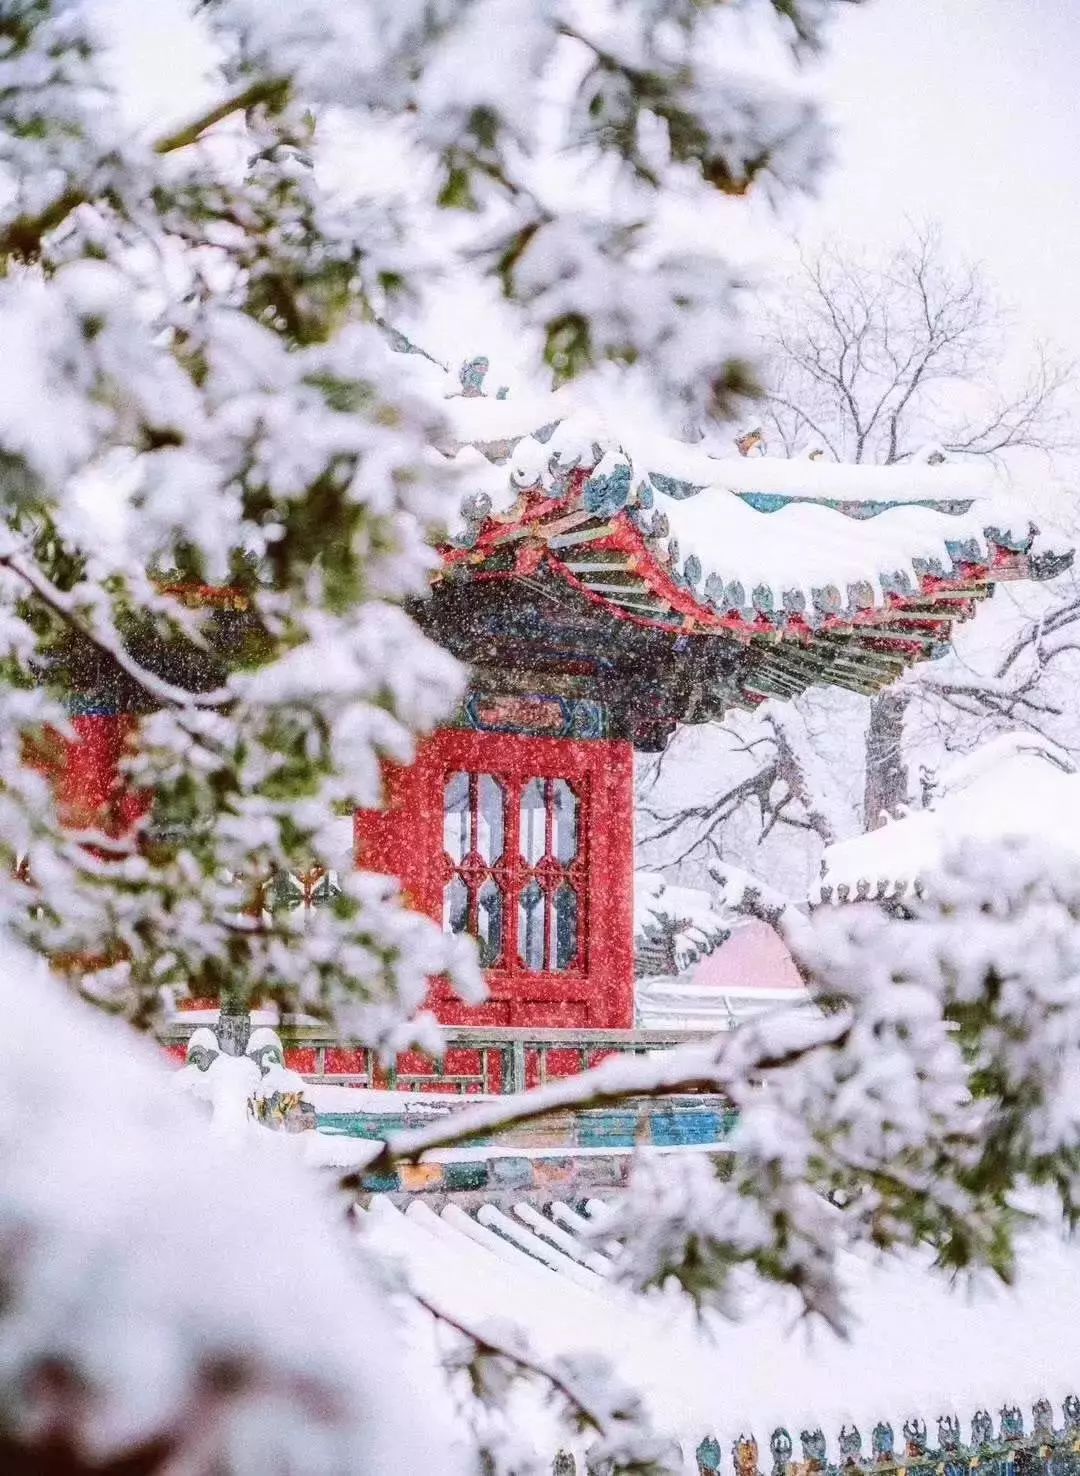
(595, 507)
(617, 561)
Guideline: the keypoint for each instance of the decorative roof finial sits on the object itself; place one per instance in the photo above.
(751, 441)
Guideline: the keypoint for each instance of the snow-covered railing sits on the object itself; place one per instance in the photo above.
(487, 1059)
(1045, 1449)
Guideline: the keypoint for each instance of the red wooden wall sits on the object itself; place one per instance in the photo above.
(571, 840)
(587, 982)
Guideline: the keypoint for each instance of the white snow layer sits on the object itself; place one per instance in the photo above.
(686, 913)
(680, 1004)
(797, 546)
(1015, 785)
(920, 1347)
(157, 1264)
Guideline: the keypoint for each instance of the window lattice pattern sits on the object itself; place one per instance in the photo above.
(512, 856)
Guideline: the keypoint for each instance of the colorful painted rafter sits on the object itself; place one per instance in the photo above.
(825, 573)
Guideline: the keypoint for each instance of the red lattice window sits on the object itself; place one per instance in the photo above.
(527, 844)
(488, 884)
(474, 856)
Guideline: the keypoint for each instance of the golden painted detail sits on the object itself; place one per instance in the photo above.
(207, 596)
(293, 890)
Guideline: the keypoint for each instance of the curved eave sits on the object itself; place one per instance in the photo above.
(861, 638)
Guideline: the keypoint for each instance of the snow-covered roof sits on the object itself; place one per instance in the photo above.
(680, 1004)
(919, 1348)
(838, 573)
(1017, 784)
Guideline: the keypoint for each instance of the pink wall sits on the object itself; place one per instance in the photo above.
(753, 958)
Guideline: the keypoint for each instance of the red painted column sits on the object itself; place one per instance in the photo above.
(404, 838)
(90, 791)
(611, 884)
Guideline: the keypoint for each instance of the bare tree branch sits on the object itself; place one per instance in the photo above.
(873, 359)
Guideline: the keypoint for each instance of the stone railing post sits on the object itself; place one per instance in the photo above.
(517, 1067)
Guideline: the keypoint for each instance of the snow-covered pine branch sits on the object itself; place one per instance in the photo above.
(172, 1302)
(741, 894)
(594, 1401)
(199, 395)
(220, 487)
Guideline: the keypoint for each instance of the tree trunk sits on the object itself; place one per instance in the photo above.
(886, 770)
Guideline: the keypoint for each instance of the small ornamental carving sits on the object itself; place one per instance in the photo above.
(982, 1430)
(1012, 1423)
(813, 1448)
(780, 1448)
(915, 1437)
(746, 1456)
(284, 1112)
(882, 1443)
(850, 1443)
(1042, 1416)
(709, 1456)
(753, 440)
(948, 1432)
(1042, 1451)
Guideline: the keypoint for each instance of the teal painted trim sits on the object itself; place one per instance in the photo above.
(367, 1124)
(380, 1183)
(666, 1125)
(92, 705)
(674, 487)
(607, 494)
(770, 502)
(465, 1176)
(579, 717)
(607, 1129)
(674, 1129)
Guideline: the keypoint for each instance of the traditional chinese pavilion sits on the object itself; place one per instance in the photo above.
(605, 586)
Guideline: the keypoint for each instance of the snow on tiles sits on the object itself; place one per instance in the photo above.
(1014, 786)
(756, 1371)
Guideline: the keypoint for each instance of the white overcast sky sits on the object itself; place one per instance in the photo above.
(966, 111)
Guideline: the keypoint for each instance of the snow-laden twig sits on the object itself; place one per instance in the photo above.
(713, 1066)
(104, 637)
(596, 1400)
